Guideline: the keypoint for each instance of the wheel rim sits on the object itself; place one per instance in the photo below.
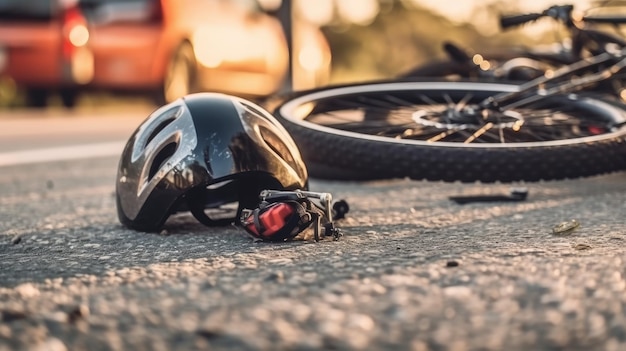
(448, 114)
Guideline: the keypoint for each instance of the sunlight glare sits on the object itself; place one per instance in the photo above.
(319, 12)
(360, 12)
(270, 5)
(477, 59)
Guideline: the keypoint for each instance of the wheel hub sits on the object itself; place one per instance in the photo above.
(468, 117)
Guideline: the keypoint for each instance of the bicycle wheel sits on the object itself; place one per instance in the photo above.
(436, 130)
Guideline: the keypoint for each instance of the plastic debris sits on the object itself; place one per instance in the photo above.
(452, 264)
(565, 227)
(515, 194)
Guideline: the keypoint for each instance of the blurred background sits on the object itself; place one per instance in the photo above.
(73, 53)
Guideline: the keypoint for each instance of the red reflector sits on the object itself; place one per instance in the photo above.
(273, 220)
(593, 130)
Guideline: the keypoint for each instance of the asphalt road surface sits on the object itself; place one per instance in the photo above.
(414, 270)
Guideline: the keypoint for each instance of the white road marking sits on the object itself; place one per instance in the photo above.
(62, 153)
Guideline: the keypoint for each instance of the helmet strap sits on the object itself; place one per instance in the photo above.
(197, 206)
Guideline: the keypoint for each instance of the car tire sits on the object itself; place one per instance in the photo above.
(68, 97)
(180, 74)
(36, 97)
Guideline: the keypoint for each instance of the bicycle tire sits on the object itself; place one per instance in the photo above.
(332, 153)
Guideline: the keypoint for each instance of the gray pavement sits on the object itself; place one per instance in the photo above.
(414, 271)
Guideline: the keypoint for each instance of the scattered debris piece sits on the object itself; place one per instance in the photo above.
(566, 227)
(16, 240)
(208, 334)
(340, 208)
(516, 194)
(452, 264)
(10, 316)
(277, 276)
(77, 312)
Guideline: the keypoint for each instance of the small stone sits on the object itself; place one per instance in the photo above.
(50, 184)
(582, 246)
(78, 312)
(51, 344)
(277, 276)
(27, 290)
(5, 332)
(458, 291)
(164, 232)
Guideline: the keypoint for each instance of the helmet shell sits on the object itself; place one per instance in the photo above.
(203, 150)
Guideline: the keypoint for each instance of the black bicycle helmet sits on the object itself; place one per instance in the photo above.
(201, 152)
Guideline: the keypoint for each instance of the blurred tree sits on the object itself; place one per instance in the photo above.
(402, 36)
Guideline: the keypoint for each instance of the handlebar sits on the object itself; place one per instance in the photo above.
(517, 20)
(562, 13)
(605, 19)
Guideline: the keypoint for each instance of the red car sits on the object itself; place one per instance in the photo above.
(168, 48)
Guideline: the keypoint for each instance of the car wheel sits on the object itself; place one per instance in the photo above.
(68, 97)
(180, 75)
(36, 97)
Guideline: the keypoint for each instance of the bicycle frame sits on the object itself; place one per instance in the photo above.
(536, 87)
(585, 42)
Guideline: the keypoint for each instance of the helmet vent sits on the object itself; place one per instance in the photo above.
(161, 158)
(253, 108)
(277, 145)
(159, 128)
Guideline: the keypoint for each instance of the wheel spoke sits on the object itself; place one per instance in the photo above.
(479, 132)
(427, 100)
(463, 102)
(442, 135)
(448, 117)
